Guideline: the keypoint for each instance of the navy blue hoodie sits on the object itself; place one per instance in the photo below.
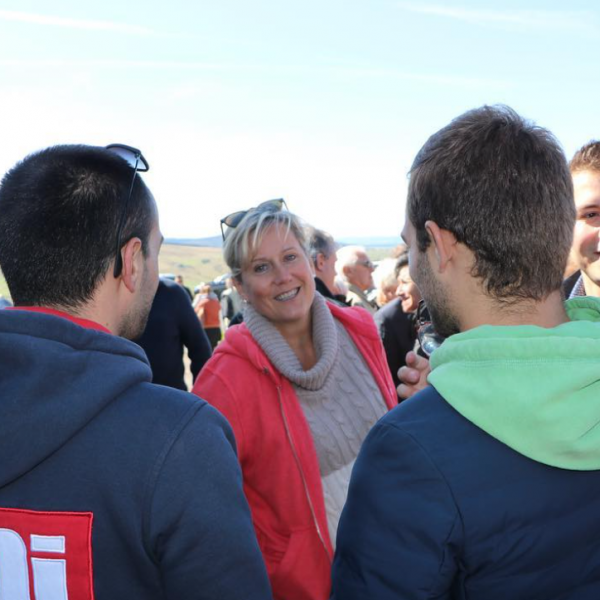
(112, 487)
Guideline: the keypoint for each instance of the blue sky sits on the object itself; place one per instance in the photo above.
(322, 102)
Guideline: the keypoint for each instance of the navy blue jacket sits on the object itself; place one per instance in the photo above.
(438, 509)
(398, 334)
(87, 441)
(173, 324)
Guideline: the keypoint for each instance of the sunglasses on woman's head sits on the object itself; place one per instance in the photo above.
(138, 163)
(234, 219)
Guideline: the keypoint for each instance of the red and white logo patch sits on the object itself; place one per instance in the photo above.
(45, 555)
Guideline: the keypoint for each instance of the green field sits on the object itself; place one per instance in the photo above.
(195, 264)
(198, 264)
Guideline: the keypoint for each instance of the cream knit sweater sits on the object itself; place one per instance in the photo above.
(338, 395)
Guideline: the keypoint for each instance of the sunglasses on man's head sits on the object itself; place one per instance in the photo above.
(138, 163)
(234, 219)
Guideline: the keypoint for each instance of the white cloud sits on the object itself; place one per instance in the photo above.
(521, 18)
(37, 19)
(349, 71)
(433, 78)
(128, 64)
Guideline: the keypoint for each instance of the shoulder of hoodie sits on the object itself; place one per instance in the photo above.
(141, 401)
(162, 410)
(166, 412)
(439, 429)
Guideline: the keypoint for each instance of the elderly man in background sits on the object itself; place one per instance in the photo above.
(356, 269)
(322, 249)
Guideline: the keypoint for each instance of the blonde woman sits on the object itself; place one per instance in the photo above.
(301, 381)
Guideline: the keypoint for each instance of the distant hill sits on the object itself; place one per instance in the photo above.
(200, 259)
(209, 242)
(217, 242)
(372, 242)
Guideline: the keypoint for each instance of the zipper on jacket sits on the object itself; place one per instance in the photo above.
(297, 459)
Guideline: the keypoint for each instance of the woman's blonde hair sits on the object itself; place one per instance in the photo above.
(241, 241)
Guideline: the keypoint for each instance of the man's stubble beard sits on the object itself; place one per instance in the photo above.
(444, 321)
(134, 323)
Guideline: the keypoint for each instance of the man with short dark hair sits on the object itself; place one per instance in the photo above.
(485, 485)
(585, 169)
(584, 275)
(111, 487)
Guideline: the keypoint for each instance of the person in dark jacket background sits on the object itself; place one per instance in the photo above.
(173, 324)
(179, 279)
(397, 327)
(486, 484)
(111, 487)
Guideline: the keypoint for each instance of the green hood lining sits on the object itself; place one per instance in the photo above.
(537, 390)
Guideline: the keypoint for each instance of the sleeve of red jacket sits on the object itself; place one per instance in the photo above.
(218, 391)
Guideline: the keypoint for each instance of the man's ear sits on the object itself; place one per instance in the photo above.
(319, 262)
(444, 244)
(133, 263)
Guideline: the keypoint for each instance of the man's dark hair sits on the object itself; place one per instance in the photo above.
(59, 214)
(501, 185)
(401, 262)
(587, 158)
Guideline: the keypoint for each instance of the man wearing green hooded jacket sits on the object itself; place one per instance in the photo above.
(486, 485)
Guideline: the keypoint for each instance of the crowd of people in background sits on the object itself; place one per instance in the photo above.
(344, 275)
(421, 426)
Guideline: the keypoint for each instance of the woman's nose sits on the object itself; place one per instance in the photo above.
(282, 273)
